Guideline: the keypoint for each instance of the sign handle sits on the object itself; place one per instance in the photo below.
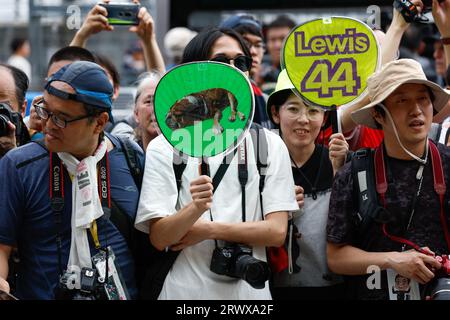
(334, 119)
(204, 167)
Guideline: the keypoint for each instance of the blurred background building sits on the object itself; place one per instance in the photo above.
(47, 23)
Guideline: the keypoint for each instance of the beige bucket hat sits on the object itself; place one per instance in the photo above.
(391, 76)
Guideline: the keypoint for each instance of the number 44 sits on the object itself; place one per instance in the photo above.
(324, 78)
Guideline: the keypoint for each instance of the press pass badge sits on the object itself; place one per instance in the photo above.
(328, 60)
(204, 109)
(115, 287)
(402, 288)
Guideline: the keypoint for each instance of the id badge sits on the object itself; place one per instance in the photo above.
(401, 288)
(115, 288)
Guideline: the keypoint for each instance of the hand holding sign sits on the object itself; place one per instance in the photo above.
(204, 108)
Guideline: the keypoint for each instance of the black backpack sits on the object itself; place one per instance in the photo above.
(364, 193)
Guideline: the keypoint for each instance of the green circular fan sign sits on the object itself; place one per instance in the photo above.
(328, 60)
(204, 108)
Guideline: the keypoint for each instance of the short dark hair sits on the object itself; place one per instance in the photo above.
(109, 66)
(243, 23)
(282, 21)
(378, 109)
(199, 48)
(17, 43)
(71, 54)
(248, 28)
(93, 111)
(21, 83)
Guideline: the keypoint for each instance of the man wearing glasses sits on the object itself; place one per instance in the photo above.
(58, 196)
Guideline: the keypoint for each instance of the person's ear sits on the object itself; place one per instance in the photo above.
(377, 116)
(24, 108)
(136, 116)
(101, 121)
(275, 114)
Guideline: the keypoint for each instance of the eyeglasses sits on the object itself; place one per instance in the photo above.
(257, 46)
(311, 113)
(241, 62)
(44, 114)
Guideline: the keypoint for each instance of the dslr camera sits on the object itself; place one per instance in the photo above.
(90, 287)
(236, 260)
(6, 115)
(439, 288)
(409, 11)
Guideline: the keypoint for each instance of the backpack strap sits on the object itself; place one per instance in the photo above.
(260, 148)
(364, 193)
(179, 164)
(132, 160)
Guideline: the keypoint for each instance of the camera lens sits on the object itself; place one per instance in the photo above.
(440, 289)
(255, 272)
(3, 125)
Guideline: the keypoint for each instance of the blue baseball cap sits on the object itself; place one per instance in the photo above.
(90, 82)
(240, 20)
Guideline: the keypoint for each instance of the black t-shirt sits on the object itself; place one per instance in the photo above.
(316, 171)
(425, 229)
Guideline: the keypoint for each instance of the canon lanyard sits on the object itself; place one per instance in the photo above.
(439, 187)
(57, 198)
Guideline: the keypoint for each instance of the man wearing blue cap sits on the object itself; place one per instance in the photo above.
(60, 198)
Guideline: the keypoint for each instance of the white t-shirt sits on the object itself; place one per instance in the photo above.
(190, 276)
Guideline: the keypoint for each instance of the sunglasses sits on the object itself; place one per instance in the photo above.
(241, 62)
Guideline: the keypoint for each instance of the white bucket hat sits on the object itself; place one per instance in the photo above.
(391, 76)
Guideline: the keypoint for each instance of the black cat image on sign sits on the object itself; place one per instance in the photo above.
(203, 105)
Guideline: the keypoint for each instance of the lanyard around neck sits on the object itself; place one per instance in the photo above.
(57, 197)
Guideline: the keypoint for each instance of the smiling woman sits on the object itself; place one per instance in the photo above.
(307, 276)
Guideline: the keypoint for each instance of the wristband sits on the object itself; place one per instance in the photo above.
(445, 40)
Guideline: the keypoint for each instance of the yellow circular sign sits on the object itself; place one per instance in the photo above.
(328, 60)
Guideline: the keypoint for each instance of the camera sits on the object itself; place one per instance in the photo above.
(6, 115)
(439, 288)
(122, 13)
(90, 288)
(236, 260)
(410, 13)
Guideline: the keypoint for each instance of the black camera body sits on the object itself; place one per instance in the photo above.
(409, 11)
(439, 288)
(90, 287)
(6, 115)
(236, 260)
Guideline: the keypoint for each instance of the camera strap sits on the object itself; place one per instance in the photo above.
(439, 187)
(243, 174)
(56, 190)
